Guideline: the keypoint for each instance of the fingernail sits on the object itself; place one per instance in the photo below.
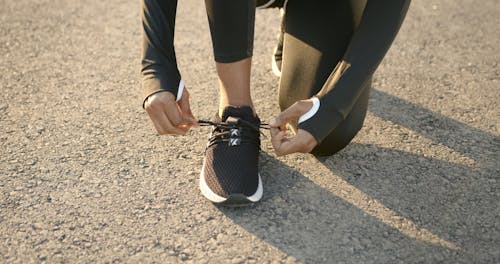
(272, 122)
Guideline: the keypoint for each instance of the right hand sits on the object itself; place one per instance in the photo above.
(302, 142)
(169, 116)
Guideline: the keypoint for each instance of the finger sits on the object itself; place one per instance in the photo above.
(173, 114)
(302, 142)
(156, 124)
(278, 122)
(192, 120)
(289, 146)
(292, 112)
(162, 122)
(163, 125)
(185, 109)
(158, 106)
(171, 129)
(278, 138)
(284, 117)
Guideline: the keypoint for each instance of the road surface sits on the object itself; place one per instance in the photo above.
(85, 179)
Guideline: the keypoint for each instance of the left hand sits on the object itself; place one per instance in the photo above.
(302, 142)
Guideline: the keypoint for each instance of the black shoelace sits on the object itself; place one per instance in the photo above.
(234, 132)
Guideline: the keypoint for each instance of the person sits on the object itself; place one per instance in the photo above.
(326, 57)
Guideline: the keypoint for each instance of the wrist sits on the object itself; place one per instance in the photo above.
(312, 111)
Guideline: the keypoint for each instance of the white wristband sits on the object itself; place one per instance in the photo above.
(311, 111)
(180, 90)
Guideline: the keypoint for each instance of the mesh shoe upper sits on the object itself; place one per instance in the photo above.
(231, 156)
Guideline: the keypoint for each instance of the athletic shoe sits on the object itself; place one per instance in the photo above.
(278, 50)
(230, 170)
(276, 60)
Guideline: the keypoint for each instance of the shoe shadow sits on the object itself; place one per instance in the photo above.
(370, 204)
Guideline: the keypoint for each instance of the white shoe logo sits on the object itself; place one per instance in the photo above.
(235, 133)
(234, 141)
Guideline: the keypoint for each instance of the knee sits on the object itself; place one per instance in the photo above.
(343, 134)
(330, 146)
(336, 141)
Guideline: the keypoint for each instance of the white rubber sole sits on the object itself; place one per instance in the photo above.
(215, 198)
(274, 66)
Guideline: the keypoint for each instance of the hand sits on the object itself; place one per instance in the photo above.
(303, 141)
(169, 116)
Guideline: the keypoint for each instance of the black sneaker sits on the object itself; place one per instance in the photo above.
(230, 170)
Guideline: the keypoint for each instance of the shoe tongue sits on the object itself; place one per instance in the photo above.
(244, 112)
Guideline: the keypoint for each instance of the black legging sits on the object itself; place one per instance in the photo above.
(331, 50)
(316, 38)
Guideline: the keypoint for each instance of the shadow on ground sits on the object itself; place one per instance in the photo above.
(382, 205)
(468, 141)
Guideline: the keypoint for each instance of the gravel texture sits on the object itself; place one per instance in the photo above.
(85, 179)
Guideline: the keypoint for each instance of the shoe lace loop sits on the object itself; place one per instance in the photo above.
(234, 131)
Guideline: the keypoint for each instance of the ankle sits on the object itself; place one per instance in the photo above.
(223, 106)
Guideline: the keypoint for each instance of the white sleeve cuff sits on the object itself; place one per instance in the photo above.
(264, 5)
(311, 111)
(180, 90)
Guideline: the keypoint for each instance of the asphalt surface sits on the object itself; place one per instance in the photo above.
(85, 179)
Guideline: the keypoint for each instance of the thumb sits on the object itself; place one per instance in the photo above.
(292, 112)
(185, 108)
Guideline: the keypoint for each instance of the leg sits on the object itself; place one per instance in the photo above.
(230, 168)
(231, 26)
(234, 80)
(316, 38)
(347, 130)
